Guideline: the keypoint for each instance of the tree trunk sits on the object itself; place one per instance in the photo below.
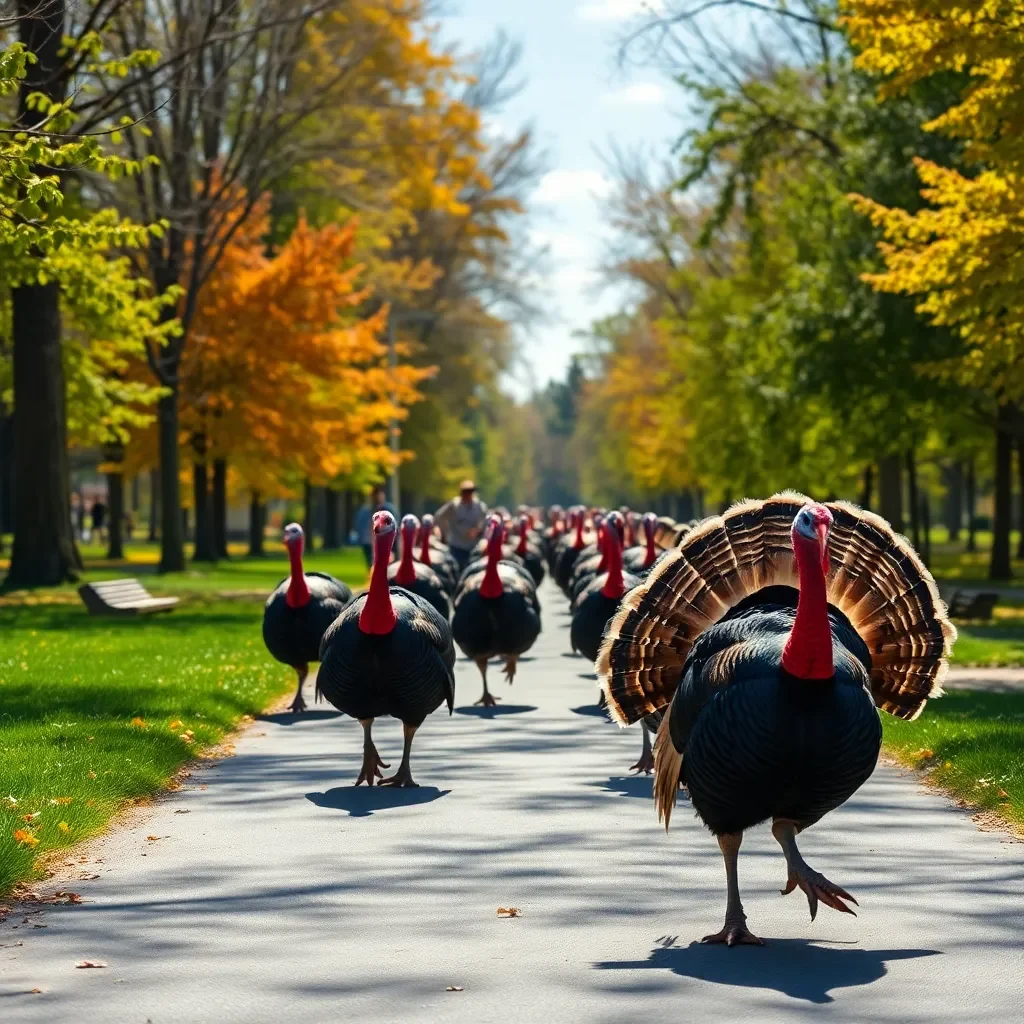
(926, 525)
(349, 516)
(890, 491)
(308, 498)
(44, 551)
(954, 499)
(203, 550)
(1000, 567)
(115, 510)
(154, 501)
(867, 485)
(257, 523)
(220, 508)
(971, 497)
(136, 494)
(912, 498)
(6, 475)
(172, 536)
(331, 542)
(1020, 496)
(687, 509)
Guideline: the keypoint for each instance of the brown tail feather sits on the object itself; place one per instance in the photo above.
(876, 579)
(668, 767)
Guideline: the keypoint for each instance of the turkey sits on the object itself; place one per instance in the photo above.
(528, 553)
(496, 612)
(590, 566)
(639, 559)
(299, 611)
(437, 555)
(389, 653)
(415, 576)
(768, 640)
(578, 543)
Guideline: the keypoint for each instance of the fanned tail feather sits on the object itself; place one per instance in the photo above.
(668, 767)
(876, 579)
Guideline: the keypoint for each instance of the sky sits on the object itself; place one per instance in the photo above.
(578, 100)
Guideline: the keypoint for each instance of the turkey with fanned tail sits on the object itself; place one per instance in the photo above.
(389, 653)
(767, 640)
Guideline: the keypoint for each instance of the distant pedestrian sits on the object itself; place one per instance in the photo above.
(364, 521)
(129, 526)
(99, 515)
(462, 521)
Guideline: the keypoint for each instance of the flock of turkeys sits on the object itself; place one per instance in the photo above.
(758, 645)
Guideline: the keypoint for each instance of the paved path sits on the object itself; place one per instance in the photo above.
(286, 895)
(994, 680)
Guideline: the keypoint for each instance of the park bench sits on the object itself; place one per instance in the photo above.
(123, 597)
(972, 605)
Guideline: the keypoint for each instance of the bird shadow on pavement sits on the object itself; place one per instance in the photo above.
(571, 654)
(591, 676)
(495, 712)
(291, 718)
(592, 711)
(628, 785)
(797, 968)
(362, 801)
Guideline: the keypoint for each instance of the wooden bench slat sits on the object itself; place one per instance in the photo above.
(122, 597)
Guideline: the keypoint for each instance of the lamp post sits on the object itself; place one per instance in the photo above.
(409, 316)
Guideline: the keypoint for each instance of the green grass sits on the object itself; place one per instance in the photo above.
(971, 744)
(93, 710)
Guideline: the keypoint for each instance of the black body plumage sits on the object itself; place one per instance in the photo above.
(293, 635)
(758, 743)
(407, 673)
(592, 612)
(427, 584)
(508, 624)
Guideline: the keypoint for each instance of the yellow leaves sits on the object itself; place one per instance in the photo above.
(25, 838)
(64, 827)
(508, 912)
(176, 724)
(924, 754)
(138, 723)
(188, 736)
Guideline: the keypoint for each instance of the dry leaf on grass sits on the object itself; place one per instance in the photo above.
(153, 839)
(1003, 795)
(25, 838)
(90, 963)
(182, 810)
(88, 878)
(35, 991)
(508, 912)
(454, 988)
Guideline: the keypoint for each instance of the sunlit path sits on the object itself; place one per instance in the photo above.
(285, 894)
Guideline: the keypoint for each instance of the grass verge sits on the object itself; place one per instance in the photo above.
(97, 712)
(972, 745)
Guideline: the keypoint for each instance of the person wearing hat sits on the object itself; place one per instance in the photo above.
(462, 521)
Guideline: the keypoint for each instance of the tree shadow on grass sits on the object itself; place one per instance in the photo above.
(363, 801)
(795, 967)
(495, 712)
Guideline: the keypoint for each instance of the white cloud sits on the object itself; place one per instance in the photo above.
(560, 185)
(617, 10)
(637, 94)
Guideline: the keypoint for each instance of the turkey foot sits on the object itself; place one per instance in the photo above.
(510, 668)
(734, 933)
(298, 705)
(402, 779)
(816, 887)
(488, 700)
(372, 763)
(646, 762)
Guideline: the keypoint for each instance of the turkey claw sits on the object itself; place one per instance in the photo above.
(734, 934)
(488, 700)
(298, 705)
(645, 764)
(402, 779)
(817, 887)
(371, 770)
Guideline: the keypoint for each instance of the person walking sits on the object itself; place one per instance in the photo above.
(462, 521)
(99, 514)
(364, 520)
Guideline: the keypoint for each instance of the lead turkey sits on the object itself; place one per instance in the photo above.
(768, 640)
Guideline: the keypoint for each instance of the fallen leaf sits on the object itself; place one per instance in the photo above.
(64, 827)
(139, 723)
(25, 838)
(61, 801)
(90, 963)
(924, 753)
(1003, 795)
(88, 878)
(153, 839)
(9, 945)
(176, 724)
(10, 801)
(508, 912)
(90, 775)
(454, 988)
(182, 810)
(35, 991)
(31, 817)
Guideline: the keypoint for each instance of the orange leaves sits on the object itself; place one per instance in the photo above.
(24, 837)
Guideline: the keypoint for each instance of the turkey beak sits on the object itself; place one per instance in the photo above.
(822, 531)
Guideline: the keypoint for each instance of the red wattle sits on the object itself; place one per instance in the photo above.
(808, 650)
(521, 549)
(378, 614)
(297, 595)
(491, 585)
(650, 555)
(614, 585)
(406, 573)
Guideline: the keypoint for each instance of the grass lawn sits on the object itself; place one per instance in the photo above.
(96, 712)
(971, 744)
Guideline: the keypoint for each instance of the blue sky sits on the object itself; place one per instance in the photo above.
(578, 100)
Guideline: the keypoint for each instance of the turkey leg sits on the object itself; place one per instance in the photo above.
(487, 700)
(372, 763)
(402, 779)
(815, 886)
(298, 705)
(646, 762)
(510, 667)
(734, 931)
